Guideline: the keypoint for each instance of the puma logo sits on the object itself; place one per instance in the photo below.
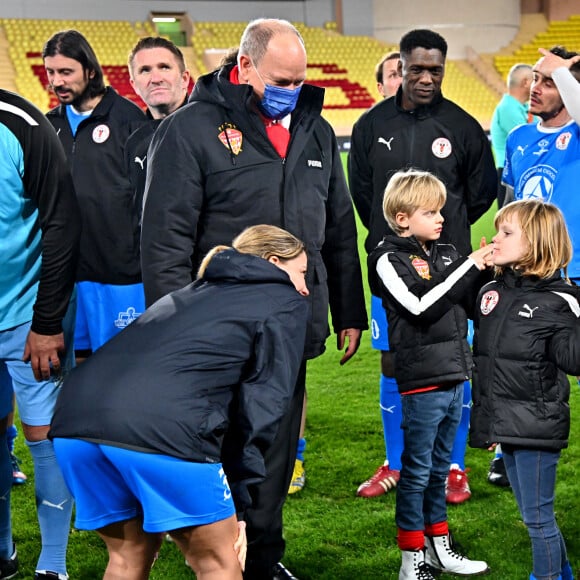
(521, 149)
(140, 161)
(58, 506)
(385, 142)
(529, 312)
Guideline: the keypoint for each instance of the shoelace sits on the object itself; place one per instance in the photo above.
(453, 549)
(424, 573)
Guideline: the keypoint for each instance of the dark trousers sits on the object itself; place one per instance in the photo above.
(264, 520)
(501, 190)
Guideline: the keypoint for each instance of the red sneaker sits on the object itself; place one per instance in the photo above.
(382, 481)
(457, 486)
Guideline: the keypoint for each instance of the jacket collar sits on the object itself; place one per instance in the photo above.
(216, 87)
(150, 116)
(392, 242)
(514, 279)
(101, 110)
(421, 112)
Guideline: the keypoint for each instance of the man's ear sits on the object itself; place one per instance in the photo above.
(244, 68)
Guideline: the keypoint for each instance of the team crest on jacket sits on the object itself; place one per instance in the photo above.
(489, 301)
(421, 267)
(441, 147)
(101, 133)
(563, 140)
(231, 137)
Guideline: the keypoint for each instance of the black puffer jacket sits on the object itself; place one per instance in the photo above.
(423, 296)
(216, 355)
(527, 338)
(212, 171)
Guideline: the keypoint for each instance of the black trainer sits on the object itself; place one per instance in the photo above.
(497, 474)
(9, 568)
(282, 573)
(48, 575)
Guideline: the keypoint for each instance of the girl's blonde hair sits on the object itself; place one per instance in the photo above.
(263, 241)
(409, 190)
(544, 229)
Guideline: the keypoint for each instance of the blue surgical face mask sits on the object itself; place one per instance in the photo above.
(277, 102)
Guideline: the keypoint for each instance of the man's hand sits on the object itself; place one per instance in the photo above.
(42, 352)
(353, 335)
(550, 62)
(241, 545)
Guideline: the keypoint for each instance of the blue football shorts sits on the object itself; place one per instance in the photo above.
(103, 310)
(112, 484)
(35, 399)
(379, 325)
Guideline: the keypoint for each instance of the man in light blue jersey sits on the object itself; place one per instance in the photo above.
(510, 112)
(39, 229)
(542, 160)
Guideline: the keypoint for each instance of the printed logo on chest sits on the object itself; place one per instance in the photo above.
(489, 301)
(441, 148)
(231, 137)
(563, 140)
(527, 311)
(101, 133)
(421, 267)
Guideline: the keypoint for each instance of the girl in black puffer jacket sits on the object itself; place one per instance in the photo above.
(527, 338)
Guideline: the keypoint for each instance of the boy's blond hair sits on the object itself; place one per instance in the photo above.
(409, 190)
(544, 229)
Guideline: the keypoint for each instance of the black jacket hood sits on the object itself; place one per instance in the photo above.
(233, 266)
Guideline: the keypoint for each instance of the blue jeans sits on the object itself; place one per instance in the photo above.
(430, 421)
(532, 475)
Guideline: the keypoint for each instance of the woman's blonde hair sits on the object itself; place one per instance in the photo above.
(263, 241)
(544, 230)
(409, 190)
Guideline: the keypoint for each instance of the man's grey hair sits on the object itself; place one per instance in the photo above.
(516, 74)
(259, 32)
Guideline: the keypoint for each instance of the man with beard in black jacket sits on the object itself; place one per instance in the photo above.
(93, 123)
(252, 147)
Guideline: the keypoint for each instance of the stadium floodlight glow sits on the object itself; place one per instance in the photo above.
(164, 19)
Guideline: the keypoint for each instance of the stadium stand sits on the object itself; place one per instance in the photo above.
(343, 65)
(556, 32)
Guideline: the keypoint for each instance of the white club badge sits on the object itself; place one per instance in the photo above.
(441, 147)
(563, 140)
(489, 301)
(101, 133)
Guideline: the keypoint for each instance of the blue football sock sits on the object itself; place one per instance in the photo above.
(567, 573)
(391, 414)
(6, 546)
(11, 434)
(54, 505)
(460, 443)
(300, 449)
